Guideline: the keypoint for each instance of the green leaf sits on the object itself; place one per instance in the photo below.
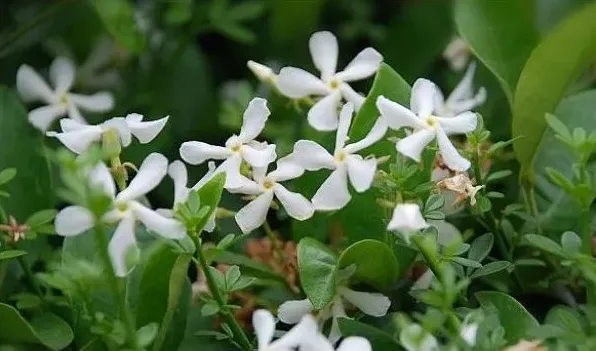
(34, 177)
(46, 329)
(501, 34)
(210, 195)
(481, 247)
(317, 266)
(250, 267)
(464, 262)
(379, 272)
(118, 17)
(564, 318)
(557, 126)
(8, 254)
(568, 49)
(515, 319)
(490, 268)
(7, 175)
(434, 202)
(545, 244)
(379, 339)
(161, 294)
(146, 334)
(493, 177)
(40, 218)
(571, 242)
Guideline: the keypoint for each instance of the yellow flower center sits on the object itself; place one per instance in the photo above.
(122, 206)
(431, 121)
(268, 184)
(235, 147)
(63, 100)
(340, 156)
(334, 84)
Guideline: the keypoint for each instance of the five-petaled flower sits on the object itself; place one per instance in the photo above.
(237, 148)
(297, 83)
(126, 211)
(265, 187)
(60, 101)
(345, 163)
(304, 333)
(427, 126)
(77, 136)
(407, 220)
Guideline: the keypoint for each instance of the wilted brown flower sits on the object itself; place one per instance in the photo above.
(14, 230)
(263, 250)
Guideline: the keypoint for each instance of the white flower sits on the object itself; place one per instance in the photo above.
(468, 333)
(60, 101)
(126, 211)
(457, 53)
(297, 83)
(415, 338)
(177, 171)
(95, 71)
(407, 220)
(462, 98)
(237, 148)
(78, 136)
(345, 163)
(262, 72)
(372, 304)
(427, 126)
(267, 186)
(303, 333)
(352, 343)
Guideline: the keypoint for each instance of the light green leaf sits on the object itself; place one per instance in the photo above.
(561, 56)
(317, 266)
(46, 329)
(8, 254)
(379, 272)
(146, 334)
(481, 247)
(571, 242)
(7, 175)
(118, 17)
(545, 244)
(501, 33)
(210, 194)
(564, 318)
(515, 319)
(465, 262)
(40, 218)
(490, 268)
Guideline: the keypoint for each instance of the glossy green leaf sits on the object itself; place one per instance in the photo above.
(46, 329)
(561, 56)
(515, 319)
(210, 195)
(379, 339)
(502, 34)
(118, 18)
(375, 263)
(490, 268)
(34, 178)
(8, 254)
(317, 266)
(7, 175)
(565, 318)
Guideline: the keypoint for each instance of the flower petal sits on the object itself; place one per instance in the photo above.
(351, 95)
(337, 311)
(32, 87)
(343, 127)
(264, 325)
(70, 125)
(312, 156)
(101, 177)
(79, 140)
(261, 71)
(323, 116)
(247, 186)
(467, 105)
(361, 171)
(296, 83)
(412, 145)
(177, 171)
(422, 100)
(145, 131)
(254, 119)
(324, 51)
(62, 74)
(414, 338)
(231, 167)
(355, 343)
(210, 226)
(333, 193)
(372, 304)
(292, 311)
(296, 205)
(120, 125)
(74, 113)
(98, 102)
(460, 124)
(42, 117)
(396, 115)
(364, 65)
(451, 157)
(464, 90)
(165, 227)
(197, 152)
(287, 168)
(376, 133)
(253, 215)
(73, 220)
(302, 333)
(259, 157)
(407, 219)
(122, 245)
(151, 172)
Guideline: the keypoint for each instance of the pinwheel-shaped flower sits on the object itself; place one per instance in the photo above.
(126, 211)
(372, 304)
(345, 163)
(60, 101)
(237, 148)
(267, 186)
(407, 220)
(427, 126)
(297, 83)
(462, 98)
(78, 136)
(304, 333)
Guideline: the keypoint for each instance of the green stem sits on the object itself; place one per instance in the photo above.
(31, 277)
(586, 231)
(239, 335)
(3, 271)
(117, 288)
